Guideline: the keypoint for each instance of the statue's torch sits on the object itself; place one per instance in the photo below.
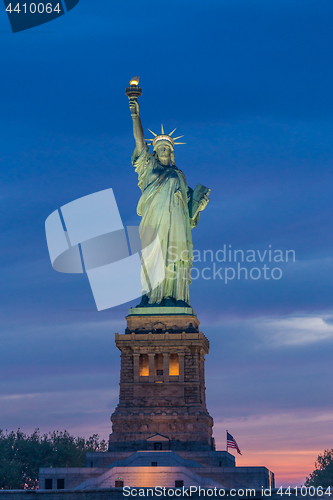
(134, 91)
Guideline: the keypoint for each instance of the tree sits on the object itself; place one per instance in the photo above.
(22, 455)
(323, 473)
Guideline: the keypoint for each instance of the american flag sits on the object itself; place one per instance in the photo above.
(231, 443)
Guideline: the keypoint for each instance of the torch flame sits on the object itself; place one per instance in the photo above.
(135, 80)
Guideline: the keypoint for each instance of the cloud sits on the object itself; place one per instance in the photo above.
(296, 331)
(251, 370)
(81, 412)
(328, 320)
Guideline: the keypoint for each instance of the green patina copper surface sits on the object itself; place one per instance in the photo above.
(169, 208)
(160, 311)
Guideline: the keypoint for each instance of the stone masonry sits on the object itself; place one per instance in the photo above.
(162, 385)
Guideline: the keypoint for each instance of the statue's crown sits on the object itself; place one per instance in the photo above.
(164, 137)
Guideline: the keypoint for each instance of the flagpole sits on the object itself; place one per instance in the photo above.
(227, 441)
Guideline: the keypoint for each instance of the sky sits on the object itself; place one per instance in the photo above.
(249, 83)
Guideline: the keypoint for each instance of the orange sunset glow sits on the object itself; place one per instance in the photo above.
(287, 444)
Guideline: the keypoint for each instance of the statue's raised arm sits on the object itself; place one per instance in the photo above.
(137, 125)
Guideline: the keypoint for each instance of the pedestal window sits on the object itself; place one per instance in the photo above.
(174, 365)
(144, 365)
(158, 365)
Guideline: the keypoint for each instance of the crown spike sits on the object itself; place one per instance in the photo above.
(172, 131)
(175, 138)
(162, 128)
(180, 143)
(152, 132)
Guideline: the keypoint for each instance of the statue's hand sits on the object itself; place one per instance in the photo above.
(134, 107)
(203, 202)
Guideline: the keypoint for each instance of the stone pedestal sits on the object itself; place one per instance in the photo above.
(161, 429)
(162, 385)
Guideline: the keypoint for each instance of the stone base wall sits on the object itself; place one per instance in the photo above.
(72, 476)
(239, 477)
(179, 427)
(210, 459)
(178, 446)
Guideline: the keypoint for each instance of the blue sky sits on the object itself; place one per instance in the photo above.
(249, 84)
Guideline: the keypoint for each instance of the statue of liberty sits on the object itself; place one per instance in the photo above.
(170, 208)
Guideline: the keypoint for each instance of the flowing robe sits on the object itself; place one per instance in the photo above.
(163, 207)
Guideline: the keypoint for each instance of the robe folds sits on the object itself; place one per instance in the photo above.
(163, 207)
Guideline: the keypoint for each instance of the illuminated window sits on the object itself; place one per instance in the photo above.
(144, 365)
(158, 364)
(174, 364)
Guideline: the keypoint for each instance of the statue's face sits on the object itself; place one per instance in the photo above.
(163, 151)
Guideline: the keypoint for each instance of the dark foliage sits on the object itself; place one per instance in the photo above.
(21, 455)
(323, 473)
